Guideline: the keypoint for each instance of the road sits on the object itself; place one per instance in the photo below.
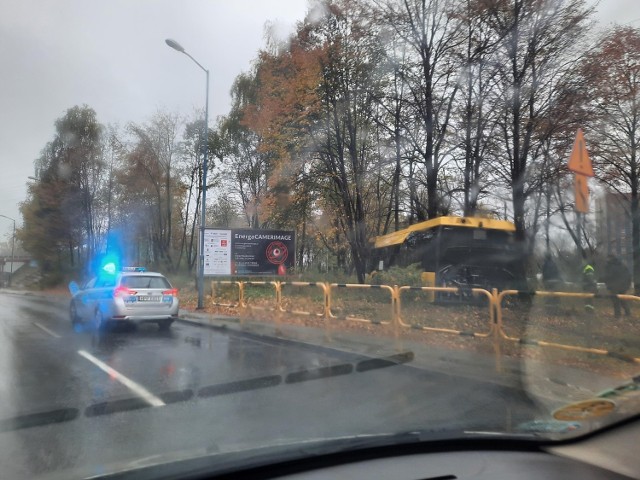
(78, 401)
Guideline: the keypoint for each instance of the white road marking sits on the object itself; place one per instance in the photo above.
(139, 390)
(45, 329)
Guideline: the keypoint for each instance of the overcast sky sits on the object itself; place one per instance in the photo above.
(111, 55)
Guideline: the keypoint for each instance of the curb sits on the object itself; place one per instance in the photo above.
(275, 340)
(193, 319)
(198, 319)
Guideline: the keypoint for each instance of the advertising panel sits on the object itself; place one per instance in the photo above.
(248, 252)
(217, 252)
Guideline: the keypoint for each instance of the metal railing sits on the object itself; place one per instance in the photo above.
(435, 290)
(323, 309)
(326, 309)
(526, 340)
(356, 286)
(214, 290)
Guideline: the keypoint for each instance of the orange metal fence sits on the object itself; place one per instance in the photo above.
(530, 341)
(215, 289)
(373, 314)
(333, 303)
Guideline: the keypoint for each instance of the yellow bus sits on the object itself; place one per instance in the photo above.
(462, 252)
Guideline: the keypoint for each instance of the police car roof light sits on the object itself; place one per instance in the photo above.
(134, 269)
(109, 268)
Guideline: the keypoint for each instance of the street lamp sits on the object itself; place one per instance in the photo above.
(13, 241)
(176, 46)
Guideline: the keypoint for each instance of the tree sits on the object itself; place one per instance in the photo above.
(222, 213)
(247, 167)
(189, 174)
(47, 233)
(474, 124)
(63, 207)
(342, 140)
(391, 122)
(426, 28)
(612, 79)
(149, 178)
(539, 40)
(286, 109)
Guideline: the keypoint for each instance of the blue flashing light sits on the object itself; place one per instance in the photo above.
(109, 265)
(110, 268)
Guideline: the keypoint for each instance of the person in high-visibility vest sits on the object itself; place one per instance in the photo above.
(589, 284)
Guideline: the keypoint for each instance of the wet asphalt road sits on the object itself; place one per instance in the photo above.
(75, 401)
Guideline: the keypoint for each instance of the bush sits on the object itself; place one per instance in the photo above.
(401, 276)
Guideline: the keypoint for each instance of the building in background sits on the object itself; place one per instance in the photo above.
(613, 226)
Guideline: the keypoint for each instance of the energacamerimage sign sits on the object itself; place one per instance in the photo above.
(248, 252)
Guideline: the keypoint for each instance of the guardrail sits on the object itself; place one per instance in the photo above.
(215, 283)
(326, 309)
(245, 302)
(474, 291)
(357, 286)
(556, 345)
(322, 311)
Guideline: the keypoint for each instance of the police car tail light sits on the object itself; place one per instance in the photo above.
(173, 291)
(123, 292)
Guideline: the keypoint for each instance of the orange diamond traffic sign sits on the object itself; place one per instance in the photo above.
(579, 162)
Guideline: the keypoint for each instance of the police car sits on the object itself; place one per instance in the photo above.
(131, 295)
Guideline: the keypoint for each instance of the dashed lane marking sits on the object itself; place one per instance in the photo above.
(139, 390)
(45, 329)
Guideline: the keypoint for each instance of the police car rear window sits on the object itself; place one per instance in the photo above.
(139, 281)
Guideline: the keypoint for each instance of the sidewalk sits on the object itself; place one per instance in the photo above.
(552, 385)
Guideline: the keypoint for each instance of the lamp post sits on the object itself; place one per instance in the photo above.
(176, 46)
(13, 241)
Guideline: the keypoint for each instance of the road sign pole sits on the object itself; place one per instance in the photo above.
(579, 234)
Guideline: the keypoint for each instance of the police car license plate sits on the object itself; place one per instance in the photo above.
(149, 299)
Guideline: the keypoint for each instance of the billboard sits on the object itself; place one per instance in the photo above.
(217, 252)
(248, 252)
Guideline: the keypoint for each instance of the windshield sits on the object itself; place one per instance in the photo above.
(391, 220)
